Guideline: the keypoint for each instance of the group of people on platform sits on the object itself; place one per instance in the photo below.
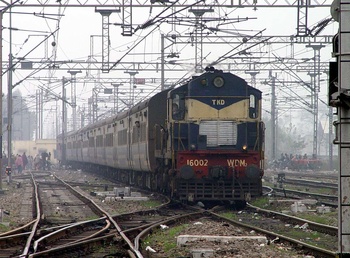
(22, 162)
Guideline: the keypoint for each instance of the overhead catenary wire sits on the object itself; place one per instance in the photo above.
(15, 63)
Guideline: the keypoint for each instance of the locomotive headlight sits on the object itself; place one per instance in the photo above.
(244, 147)
(219, 82)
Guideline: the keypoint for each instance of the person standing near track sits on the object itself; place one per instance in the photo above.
(37, 162)
(25, 160)
(44, 157)
(19, 164)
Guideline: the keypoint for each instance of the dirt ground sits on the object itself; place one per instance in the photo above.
(233, 249)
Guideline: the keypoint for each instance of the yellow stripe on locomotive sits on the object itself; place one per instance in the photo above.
(235, 111)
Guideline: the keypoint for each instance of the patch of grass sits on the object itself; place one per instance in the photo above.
(311, 237)
(262, 202)
(327, 218)
(150, 203)
(299, 234)
(107, 247)
(92, 217)
(284, 252)
(229, 215)
(317, 190)
(4, 228)
(164, 239)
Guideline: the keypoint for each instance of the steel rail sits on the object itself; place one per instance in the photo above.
(110, 218)
(37, 220)
(331, 197)
(312, 225)
(17, 231)
(57, 232)
(57, 251)
(314, 249)
(157, 224)
(311, 183)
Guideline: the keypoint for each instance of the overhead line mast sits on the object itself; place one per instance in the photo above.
(339, 97)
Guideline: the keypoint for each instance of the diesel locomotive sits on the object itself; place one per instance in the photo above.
(201, 141)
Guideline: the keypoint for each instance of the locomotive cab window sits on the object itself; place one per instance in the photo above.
(253, 107)
(178, 106)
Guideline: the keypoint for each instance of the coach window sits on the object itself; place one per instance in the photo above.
(178, 106)
(253, 112)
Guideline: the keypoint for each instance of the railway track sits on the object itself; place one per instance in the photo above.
(21, 242)
(122, 235)
(16, 243)
(311, 183)
(311, 174)
(215, 215)
(95, 230)
(309, 180)
(264, 229)
(321, 228)
(323, 197)
(130, 225)
(329, 200)
(63, 204)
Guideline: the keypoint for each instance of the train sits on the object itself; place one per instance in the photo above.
(200, 141)
(298, 163)
(305, 164)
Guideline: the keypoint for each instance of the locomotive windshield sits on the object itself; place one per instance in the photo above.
(253, 110)
(178, 106)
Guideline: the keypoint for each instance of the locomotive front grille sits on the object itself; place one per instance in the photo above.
(215, 191)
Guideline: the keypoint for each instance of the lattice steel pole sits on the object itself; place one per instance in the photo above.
(343, 126)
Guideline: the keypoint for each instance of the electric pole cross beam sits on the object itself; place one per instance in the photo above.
(165, 4)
